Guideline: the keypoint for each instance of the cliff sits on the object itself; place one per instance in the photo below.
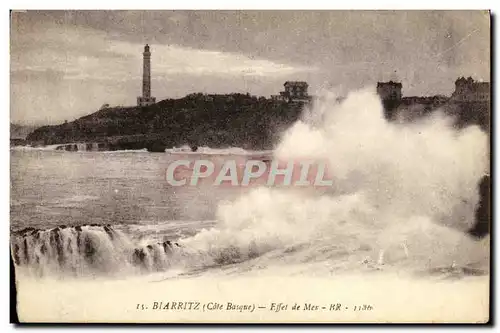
(218, 121)
(196, 120)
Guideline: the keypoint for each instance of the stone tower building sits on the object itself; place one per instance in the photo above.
(468, 90)
(391, 95)
(389, 90)
(146, 98)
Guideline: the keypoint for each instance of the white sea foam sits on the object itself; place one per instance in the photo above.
(28, 147)
(395, 186)
(216, 151)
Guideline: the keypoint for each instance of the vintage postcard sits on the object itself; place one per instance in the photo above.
(250, 166)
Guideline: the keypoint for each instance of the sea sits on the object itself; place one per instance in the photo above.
(403, 197)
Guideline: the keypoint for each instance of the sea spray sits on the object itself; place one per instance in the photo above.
(409, 188)
(426, 168)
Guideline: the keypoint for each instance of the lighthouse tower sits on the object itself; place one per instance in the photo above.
(146, 98)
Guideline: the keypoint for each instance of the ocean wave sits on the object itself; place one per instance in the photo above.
(144, 150)
(29, 148)
(403, 196)
(86, 251)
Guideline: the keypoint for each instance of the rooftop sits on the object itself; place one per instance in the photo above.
(390, 83)
(296, 83)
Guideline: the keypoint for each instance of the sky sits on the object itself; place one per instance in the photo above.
(67, 64)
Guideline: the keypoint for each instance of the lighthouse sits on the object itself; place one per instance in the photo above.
(146, 98)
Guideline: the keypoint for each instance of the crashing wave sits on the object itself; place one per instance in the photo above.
(86, 250)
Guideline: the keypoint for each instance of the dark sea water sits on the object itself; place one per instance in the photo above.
(55, 192)
(52, 188)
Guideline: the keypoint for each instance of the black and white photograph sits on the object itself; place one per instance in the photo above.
(250, 166)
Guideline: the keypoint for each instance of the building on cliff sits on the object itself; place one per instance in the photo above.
(295, 91)
(391, 95)
(469, 103)
(469, 90)
(146, 98)
(389, 90)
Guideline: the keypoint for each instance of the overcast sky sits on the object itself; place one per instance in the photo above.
(66, 64)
